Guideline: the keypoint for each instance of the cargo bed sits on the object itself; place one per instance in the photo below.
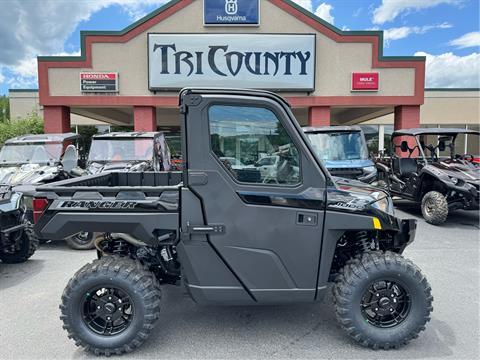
(152, 197)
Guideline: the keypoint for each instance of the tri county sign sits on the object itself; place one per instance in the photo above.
(261, 61)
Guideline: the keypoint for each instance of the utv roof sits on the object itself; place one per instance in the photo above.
(42, 138)
(324, 129)
(127, 135)
(231, 91)
(433, 131)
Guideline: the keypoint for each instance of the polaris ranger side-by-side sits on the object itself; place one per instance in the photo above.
(343, 150)
(26, 161)
(230, 237)
(429, 167)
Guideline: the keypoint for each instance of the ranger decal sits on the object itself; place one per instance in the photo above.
(89, 204)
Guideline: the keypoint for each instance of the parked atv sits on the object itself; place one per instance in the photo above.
(27, 161)
(428, 168)
(235, 239)
(344, 151)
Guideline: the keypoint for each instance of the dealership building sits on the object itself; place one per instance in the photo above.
(329, 76)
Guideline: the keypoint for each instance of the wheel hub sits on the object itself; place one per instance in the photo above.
(385, 304)
(107, 311)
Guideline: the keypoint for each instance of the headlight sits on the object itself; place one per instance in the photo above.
(456, 181)
(383, 202)
(369, 169)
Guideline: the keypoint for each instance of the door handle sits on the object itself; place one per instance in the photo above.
(307, 218)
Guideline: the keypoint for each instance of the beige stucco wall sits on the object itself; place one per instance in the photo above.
(445, 108)
(25, 103)
(334, 61)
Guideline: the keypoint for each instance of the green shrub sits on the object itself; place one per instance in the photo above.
(33, 124)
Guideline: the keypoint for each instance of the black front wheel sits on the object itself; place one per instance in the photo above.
(382, 300)
(111, 305)
(434, 208)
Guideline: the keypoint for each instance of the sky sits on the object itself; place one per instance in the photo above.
(445, 31)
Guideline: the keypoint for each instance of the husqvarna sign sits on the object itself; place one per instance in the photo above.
(231, 12)
(261, 61)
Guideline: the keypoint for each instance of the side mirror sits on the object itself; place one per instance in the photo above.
(70, 158)
(441, 146)
(404, 146)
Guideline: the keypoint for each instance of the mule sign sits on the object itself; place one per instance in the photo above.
(261, 61)
(365, 81)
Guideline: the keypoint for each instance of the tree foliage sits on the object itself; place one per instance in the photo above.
(4, 109)
(32, 124)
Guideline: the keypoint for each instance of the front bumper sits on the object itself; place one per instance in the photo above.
(407, 229)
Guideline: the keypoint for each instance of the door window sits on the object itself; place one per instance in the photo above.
(253, 145)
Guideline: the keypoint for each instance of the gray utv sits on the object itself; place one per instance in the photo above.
(343, 150)
(430, 168)
(128, 151)
(27, 161)
(230, 237)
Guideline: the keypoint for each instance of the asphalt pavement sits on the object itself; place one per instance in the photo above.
(30, 327)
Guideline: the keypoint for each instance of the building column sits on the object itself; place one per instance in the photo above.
(407, 117)
(144, 118)
(56, 119)
(319, 116)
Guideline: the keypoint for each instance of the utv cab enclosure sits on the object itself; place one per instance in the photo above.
(230, 237)
(429, 167)
(343, 150)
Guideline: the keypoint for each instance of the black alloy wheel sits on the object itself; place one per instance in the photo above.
(107, 311)
(385, 304)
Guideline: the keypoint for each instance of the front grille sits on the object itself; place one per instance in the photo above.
(349, 173)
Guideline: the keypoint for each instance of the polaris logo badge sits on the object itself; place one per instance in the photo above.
(86, 204)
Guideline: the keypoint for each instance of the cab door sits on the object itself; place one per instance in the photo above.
(266, 228)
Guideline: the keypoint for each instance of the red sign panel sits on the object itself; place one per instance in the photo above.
(99, 82)
(365, 81)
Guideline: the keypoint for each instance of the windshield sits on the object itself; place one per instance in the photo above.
(31, 153)
(445, 146)
(339, 146)
(121, 150)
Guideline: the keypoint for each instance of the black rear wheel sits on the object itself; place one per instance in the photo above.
(111, 305)
(382, 300)
(82, 241)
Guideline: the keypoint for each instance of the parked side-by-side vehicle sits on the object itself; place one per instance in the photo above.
(429, 167)
(232, 235)
(344, 151)
(27, 161)
(128, 151)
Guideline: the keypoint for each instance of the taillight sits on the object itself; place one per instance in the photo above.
(39, 206)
